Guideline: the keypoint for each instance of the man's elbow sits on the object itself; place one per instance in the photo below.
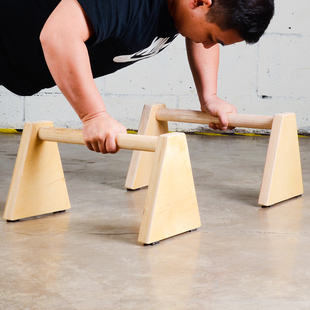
(45, 38)
(48, 38)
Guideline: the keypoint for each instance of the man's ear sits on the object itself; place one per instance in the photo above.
(196, 3)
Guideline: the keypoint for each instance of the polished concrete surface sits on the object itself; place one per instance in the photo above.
(242, 257)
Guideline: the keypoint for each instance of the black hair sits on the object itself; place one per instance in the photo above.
(249, 18)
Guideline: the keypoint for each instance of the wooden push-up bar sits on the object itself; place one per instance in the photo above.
(198, 117)
(38, 185)
(74, 136)
(282, 177)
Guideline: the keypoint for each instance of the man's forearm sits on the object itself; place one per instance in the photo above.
(204, 65)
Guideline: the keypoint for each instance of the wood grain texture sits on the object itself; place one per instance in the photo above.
(199, 117)
(171, 205)
(141, 163)
(154, 121)
(74, 136)
(282, 178)
(38, 185)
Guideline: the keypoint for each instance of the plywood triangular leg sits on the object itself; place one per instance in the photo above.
(171, 205)
(282, 178)
(38, 185)
(141, 163)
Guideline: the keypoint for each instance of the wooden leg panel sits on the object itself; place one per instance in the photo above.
(171, 206)
(38, 185)
(282, 178)
(141, 164)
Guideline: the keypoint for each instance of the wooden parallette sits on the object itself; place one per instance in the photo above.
(282, 178)
(199, 117)
(38, 185)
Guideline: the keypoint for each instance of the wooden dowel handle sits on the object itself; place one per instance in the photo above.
(74, 136)
(199, 117)
(136, 142)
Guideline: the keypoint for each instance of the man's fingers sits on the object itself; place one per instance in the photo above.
(222, 125)
(96, 146)
(103, 145)
(110, 144)
(213, 126)
(223, 121)
(89, 145)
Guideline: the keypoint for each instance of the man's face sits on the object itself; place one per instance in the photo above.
(190, 21)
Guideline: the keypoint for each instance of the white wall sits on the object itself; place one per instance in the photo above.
(266, 78)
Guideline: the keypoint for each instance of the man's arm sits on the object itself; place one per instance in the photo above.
(62, 39)
(204, 65)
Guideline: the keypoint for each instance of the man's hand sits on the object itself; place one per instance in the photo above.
(99, 133)
(219, 108)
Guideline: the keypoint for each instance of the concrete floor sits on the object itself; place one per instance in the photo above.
(242, 257)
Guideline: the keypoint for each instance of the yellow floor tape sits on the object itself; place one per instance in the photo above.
(6, 130)
(9, 131)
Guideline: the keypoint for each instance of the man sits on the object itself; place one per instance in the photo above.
(69, 42)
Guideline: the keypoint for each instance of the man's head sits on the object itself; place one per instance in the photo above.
(249, 17)
(221, 21)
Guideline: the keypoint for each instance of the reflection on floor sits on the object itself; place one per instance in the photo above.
(242, 257)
